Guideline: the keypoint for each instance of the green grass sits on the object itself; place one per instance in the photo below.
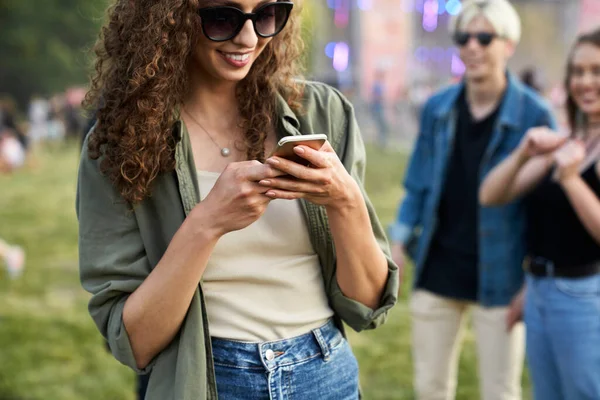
(49, 346)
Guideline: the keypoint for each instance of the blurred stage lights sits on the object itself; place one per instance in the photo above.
(430, 15)
(442, 57)
(339, 52)
(432, 9)
(364, 5)
(451, 7)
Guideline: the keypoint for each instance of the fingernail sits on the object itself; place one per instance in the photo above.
(265, 182)
(270, 194)
(299, 150)
(273, 161)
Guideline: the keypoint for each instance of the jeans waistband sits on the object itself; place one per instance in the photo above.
(279, 353)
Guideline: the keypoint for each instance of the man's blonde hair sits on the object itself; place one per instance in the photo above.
(500, 14)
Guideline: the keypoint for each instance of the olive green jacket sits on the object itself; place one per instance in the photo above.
(118, 247)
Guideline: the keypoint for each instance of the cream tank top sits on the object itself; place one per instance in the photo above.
(264, 282)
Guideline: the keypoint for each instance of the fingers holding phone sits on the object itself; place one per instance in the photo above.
(321, 178)
(285, 146)
(237, 200)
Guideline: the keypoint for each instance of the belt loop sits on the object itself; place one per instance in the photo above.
(322, 343)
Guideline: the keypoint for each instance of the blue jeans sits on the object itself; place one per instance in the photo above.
(563, 337)
(317, 365)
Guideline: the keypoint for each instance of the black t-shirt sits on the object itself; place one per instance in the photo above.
(451, 268)
(555, 232)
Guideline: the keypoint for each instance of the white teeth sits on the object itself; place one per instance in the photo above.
(237, 57)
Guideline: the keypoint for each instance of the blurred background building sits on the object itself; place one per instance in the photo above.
(406, 44)
(409, 41)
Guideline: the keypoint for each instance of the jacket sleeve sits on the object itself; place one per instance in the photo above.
(416, 183)
(352, 153)
(112, 259)
(547, 119)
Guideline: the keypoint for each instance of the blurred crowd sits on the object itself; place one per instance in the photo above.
(48, 120)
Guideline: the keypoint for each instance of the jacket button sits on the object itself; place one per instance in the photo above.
(270, 355)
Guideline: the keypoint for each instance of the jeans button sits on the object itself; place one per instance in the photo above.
(270, 355)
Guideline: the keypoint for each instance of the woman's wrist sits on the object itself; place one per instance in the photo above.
(522, 156)
(350, 201)
(203, 224)
(568, 181)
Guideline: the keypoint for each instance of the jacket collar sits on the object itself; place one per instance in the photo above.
(510, 109)
(285, 113)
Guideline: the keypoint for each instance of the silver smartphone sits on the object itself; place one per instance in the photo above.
(285, 146)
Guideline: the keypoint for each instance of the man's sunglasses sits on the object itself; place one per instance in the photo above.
(484, 38)
(220, 24)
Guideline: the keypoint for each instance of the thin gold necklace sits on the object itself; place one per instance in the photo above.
(225, 151)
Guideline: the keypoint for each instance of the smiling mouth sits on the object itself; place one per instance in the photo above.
(589, 97)
(236, 56)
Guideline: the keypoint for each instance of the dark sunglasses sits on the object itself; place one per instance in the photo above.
(484, 38)
(220, 24)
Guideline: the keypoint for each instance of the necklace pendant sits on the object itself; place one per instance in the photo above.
(225, 152)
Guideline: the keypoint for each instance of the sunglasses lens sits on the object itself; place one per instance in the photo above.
(461, 38)
(485, 39)
(271, 19)
(220, 23)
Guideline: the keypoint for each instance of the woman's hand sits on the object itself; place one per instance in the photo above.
(539, 141)
(568, 159)
(237, 200)
(326, 182)
(515, 310)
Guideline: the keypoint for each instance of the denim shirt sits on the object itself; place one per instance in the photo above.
(502, 230)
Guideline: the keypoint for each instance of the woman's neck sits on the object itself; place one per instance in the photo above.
(215, 103)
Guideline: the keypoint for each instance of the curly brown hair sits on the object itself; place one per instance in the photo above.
(141, 77)
(573, 111)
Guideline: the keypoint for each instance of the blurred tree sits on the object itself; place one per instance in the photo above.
(44, 44)
(308, 32)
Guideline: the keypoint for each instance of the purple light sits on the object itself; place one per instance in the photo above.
(457, 67)
(419, 4)
(437, 54)
(430, 15)
(451, 7)
(408, 5)
(422, 54)
(431, 7)
(342, 13)
(329, 49)
(441, 7)
(365, 5)
(341, 56)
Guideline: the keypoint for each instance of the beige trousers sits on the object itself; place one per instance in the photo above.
(437, 326)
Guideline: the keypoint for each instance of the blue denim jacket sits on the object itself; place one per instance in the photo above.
(502, 242)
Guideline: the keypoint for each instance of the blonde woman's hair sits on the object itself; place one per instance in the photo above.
(500, 14)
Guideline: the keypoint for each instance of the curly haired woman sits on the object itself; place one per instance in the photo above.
(221, 271)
